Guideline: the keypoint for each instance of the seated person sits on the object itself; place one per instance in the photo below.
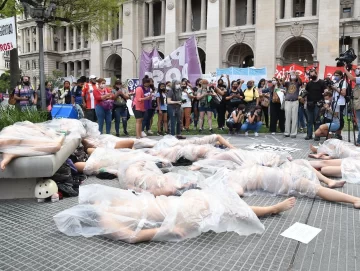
(334, 149)
(331, 115)
(253, 121)
(28, 139)
(236, 119)
(133, 218)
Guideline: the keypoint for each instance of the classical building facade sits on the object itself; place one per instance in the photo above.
(241, 33)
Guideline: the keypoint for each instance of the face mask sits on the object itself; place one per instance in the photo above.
(313, 77)
(234, 88)
(336, 78)
(177, 86)
(168, 88)
(162, 89)
(327, 101)
(184, 87)
(26, 83)
(357, 72)
(102, 85)
(293, 77)
(274, 82)
(249, 86)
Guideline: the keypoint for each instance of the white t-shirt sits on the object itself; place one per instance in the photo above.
(341, 100)
(184, 96)
(358, 80)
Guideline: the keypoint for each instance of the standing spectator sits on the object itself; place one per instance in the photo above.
(195, 104)
(251, 96)
(236, 119)
(204, 95)
(162, 109)
(264, 100)
(187, 95)
(138, 105)
(292, 105)
(235, 96)
(221, 109)
(26, 97)
(253, 121)
(149, 108)
(302, 113)
(65, 94)
(121, 95)
(315, 90)
(277, 114)
(104, 102)
(77, 99)
(89, 99)
(174, 102)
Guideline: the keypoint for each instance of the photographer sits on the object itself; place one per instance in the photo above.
(331, 113)
(204, 95)
(356, 94)
(236, 119)
(314, 93)
(235, 96)
(253, 121)
(292, 104)
(339, 93)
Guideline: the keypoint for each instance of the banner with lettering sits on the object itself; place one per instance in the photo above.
(7, 34)
(182, 63)
(245, 74)
(282, 71)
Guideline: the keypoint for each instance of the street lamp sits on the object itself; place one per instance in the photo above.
(316, 64)
(305, 65)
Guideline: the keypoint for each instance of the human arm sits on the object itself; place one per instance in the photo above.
(35, 97)
(228, 80)
(200, 96)
(62, 96)
(350, 76)
(123, 94)
(191, 96)
(220, 91)
(251, 119)
(239, 117)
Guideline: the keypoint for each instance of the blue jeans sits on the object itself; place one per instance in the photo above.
(358, 121)
(149, 113)
(120, 112)
(251, 126)
(301, 117)
(313, 120)
(175, 115)
(103, 115)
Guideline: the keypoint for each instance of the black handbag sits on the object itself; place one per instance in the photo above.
(154, 104)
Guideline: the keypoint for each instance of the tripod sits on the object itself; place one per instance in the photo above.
(350, 115)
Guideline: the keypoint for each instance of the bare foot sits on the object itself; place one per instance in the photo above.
(285, 205)
(313, 149)
(6, 160)
(316, 156)
(194, 168)
(336, 184)
(357, 204)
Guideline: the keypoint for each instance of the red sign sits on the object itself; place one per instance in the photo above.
(283, 71)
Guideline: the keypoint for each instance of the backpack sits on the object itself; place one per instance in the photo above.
(275, 98)
(12, 100)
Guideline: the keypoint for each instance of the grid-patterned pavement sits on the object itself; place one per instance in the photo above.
(29, 239)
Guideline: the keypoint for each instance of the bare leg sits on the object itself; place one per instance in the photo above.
(80, 166)
(321, 164)
(313, 149)
(7, 157)
(322, 156)
(125, 144)
(90, 151)
(275, 209)
(330, 183)
(337, 196)
(334, 171)
(224, 142)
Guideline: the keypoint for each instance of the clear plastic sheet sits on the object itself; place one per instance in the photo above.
(92, 128)
(28, 139)
(123, 215)
(101, 141)
(72, 127)
(171, 141)
(338, 149)
(350, 169)
(108, 160)
(144, 143)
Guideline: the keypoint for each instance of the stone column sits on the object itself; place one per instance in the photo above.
(60, 34)
(23, 41)
(289, 9)
(308, 8)
(203, 15)
(151, 19)
(109, 30)
(83, 67)
(68, 69)
(188, 16)
(355, 45)
(120, 22)
(317, 7)
(278, 9)
(213, 37)
(74, 38)
(67, 34)
(249, 12)
(328, 47)
(232, 13)
(82, 39)
(356, 13)
(265, 45)
(163, 15)
(171, 33)
(76, 69)
(31, 40)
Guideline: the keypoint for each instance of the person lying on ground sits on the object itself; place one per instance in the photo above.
(133, 218)
(334, 149)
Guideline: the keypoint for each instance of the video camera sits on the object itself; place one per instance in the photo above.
(346, 58)
(304, 94)
(329, 82)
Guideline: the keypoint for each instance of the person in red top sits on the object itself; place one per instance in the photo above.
(138, 104)
(104, 101)
(89, 102)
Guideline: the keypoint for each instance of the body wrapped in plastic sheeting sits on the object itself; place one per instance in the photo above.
(92, 128)
(108, 160)
(142, 174)
(73, 128)
(28, 139)
(336, 148)
(350, 170)
(171, 141)
(122, 215)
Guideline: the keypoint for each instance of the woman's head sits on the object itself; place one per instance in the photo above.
(101, 82)
(161, 87)
(184, 84)
(197, 82)
(220, 82)
(234, 85)
(176, 84)
(250, 84)
(261, 83)
(67, 84)
(275, 81)
(48, 84)
(117, 84)
(241, 107)
(146, 81)
(204, 83)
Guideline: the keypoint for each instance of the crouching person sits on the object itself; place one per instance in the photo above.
(236, 119)
(253, 121)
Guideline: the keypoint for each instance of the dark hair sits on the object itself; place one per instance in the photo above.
(261, 80)
(46, 83)
(258, 107)
(79, 81)
(146, 80)
(161, 91)
(66, 81)
(83, 78)
(117, 82)
(101, 80)
(233, 82)
(184, 79)
(241, 107)
(339, 73)
(167, 82)
(197, 82)
(328, 94)
(221, 81)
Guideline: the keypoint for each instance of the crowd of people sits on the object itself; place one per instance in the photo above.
(288, 105)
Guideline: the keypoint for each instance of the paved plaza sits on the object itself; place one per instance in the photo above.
(29, 239)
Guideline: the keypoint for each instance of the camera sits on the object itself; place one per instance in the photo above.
(329, 82)
(208, 91)
(183, 101)
(346, 58)
(320, 103)
(304, 94)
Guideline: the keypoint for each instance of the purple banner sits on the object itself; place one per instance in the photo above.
(182, 63)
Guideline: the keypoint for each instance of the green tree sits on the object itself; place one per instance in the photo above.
(5, 81)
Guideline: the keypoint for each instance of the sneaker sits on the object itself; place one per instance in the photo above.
(126, 133)
(273, 133)
(149, 132)
(308, 137)
(118, 135)
(143, 134)
(159, 133)
(200, 130)
(246, 133)
(211, 131)
(317, 138)
(180, 137)
(301, 130)
(286, 135)
(256, 134)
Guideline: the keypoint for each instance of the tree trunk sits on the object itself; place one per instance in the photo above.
(14, 68)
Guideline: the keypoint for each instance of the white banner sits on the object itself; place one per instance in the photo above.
(7, 34)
